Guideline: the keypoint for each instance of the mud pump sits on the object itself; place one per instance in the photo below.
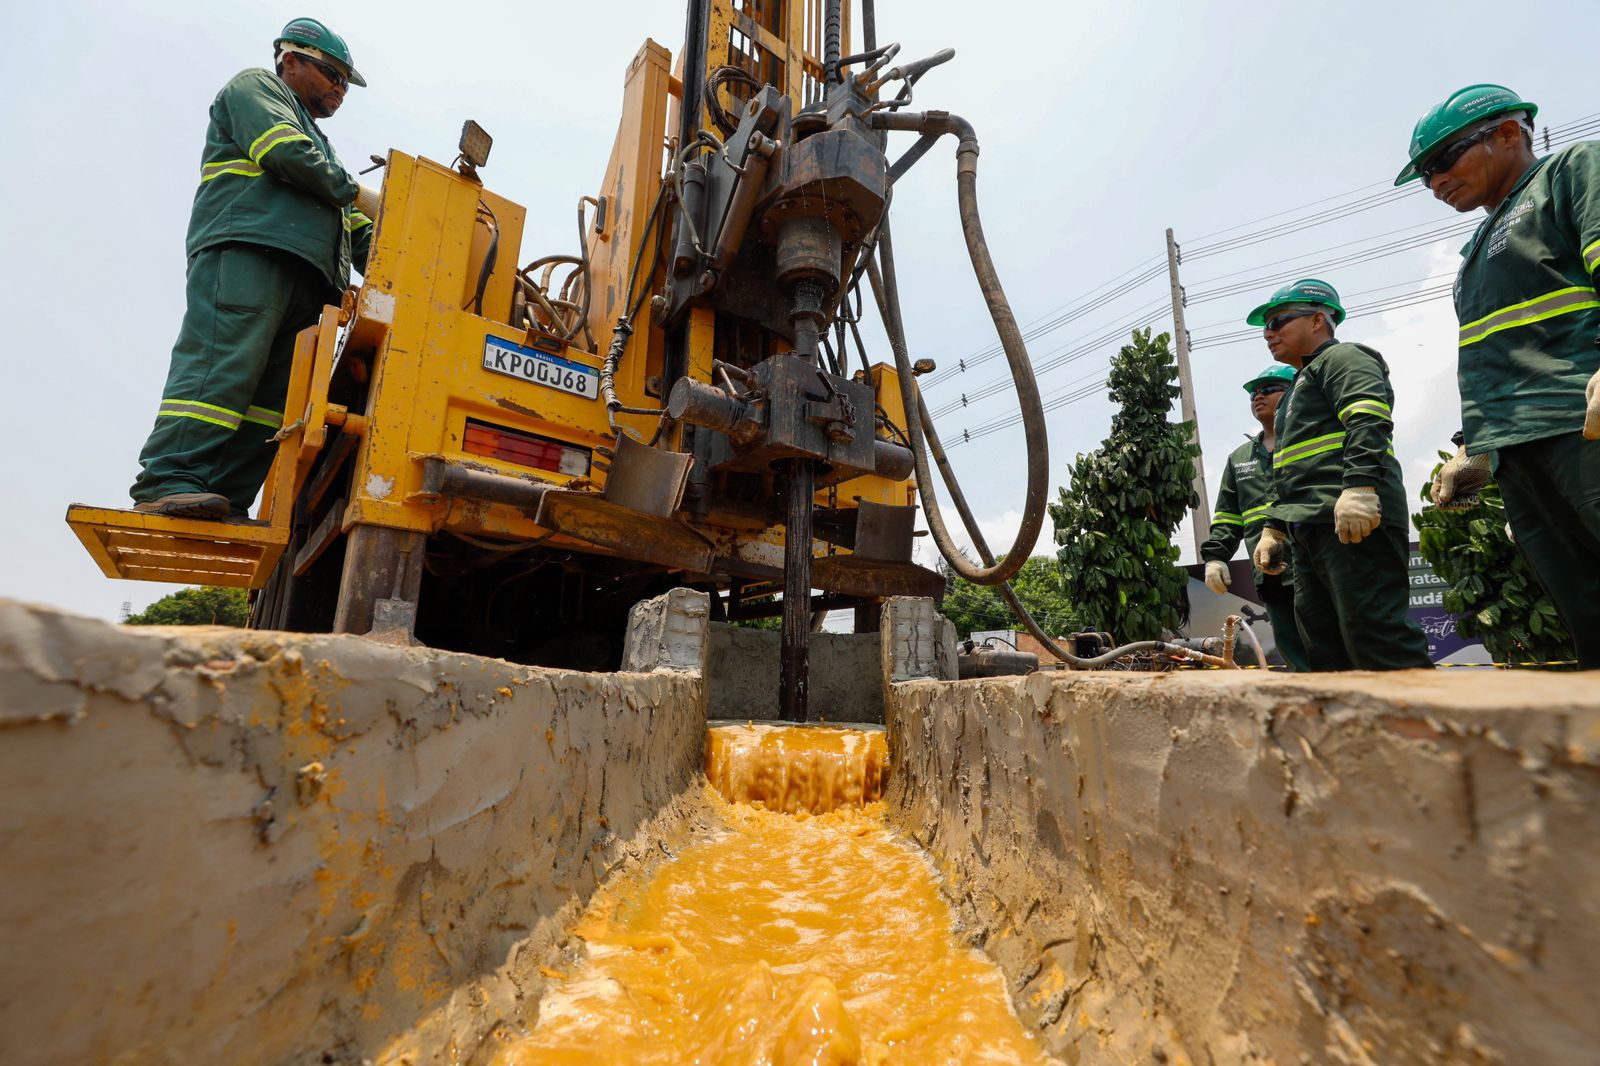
(504, 460)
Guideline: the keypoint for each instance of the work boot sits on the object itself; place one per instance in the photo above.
(187, 505)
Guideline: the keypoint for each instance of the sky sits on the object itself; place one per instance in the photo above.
(1102, 124)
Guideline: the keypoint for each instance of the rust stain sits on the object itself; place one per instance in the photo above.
(512, 405)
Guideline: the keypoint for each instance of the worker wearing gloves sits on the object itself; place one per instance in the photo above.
(1528, 366)
(1241, 514)
(1340, 503)
(272, 237)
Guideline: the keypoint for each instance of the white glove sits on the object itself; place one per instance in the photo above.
(1512, 537)
(1591, 417)
(1356, 513)
(1217, 577)
(1269, 557)
(1457, 483)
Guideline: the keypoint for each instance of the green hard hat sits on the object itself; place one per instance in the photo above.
(1276, 373)
(1460, 110)
(313, 34)
(1304, 291)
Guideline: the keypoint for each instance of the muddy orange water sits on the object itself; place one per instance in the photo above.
(782, 938)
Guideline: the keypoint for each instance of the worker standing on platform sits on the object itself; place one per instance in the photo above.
(1528, 366)
(1241, 514)
(272, 236)
(1340, 501)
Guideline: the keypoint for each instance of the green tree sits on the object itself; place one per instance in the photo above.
(1493, 592)
(1115, 523)
(974, 608)
(205, 606)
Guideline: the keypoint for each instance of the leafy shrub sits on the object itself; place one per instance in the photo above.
(1115, 524)
(1493, 592)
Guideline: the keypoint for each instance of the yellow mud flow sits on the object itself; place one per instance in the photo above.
(783, 940)
(794, 769)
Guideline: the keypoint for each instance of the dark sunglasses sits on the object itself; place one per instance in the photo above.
(1268, 390)
(328, 70)
(1277, 322)
(1442, 162)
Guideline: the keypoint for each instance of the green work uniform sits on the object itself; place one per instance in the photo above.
(272, 237)
(1335, 431)
(1241, 514)
(1530, 321)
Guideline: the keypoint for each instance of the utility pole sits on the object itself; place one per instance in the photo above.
(1180, 333)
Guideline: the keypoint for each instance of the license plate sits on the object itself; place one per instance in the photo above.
(552, 371)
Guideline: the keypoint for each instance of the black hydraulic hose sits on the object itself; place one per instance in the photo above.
(832, 34)
(490, 255)
(981, 545)
(1036, 441)
(925, 438)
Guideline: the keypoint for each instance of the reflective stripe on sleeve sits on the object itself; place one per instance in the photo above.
(282, 133)
(355, 220)
(1591, 257)
(1256, 514)
(264, 416)
(242, 167)
(1307, 448)
(1551, 304)
(1367, 407)
(203, 412)
(1227, 518)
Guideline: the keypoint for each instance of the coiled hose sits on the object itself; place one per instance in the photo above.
(886, 292)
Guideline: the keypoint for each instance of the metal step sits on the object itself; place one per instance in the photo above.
(189, 551)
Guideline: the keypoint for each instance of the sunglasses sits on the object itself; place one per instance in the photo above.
(328, 70)
(1277, 322)
(1443, 162)
(1268, 390)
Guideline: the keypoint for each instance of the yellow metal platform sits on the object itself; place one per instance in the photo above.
(150, 547)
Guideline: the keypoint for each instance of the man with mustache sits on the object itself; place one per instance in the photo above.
(1528, 368)
(1341, 503)
(272, 236)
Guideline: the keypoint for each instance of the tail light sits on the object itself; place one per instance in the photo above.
(524, 449)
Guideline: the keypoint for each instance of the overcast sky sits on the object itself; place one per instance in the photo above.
(1102, 124)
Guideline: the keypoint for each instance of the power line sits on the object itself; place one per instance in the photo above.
(1380, 307)
(1078, 311)
(1364, 199)
(1059, 357)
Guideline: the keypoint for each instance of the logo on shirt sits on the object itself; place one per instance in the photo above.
(1501, 234)
(1246, 469)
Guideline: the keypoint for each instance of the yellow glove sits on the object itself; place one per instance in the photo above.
(1591, 417)
(1356, 513)
(1457, 483)
(1269, 554)
(1217, 577)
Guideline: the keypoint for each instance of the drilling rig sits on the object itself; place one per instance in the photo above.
(503, 460)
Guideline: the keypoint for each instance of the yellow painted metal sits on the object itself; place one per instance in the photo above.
(148, 547)
(412, 333)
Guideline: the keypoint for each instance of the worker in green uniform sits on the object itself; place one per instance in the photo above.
(1241, 514)
(1528, 367)
(272, 236)
(1341, 504)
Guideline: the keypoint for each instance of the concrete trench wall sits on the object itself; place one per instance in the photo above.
(1204, 867)
(221, 846)
(225, 846)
